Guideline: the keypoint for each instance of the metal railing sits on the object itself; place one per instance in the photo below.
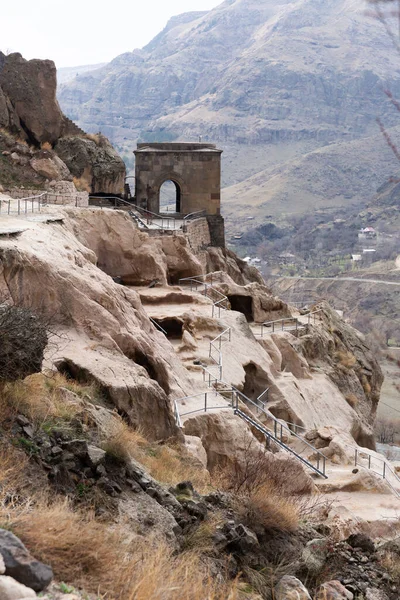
(277, 435)
(379, 466)
(195, 215)
(24, 205)
(215, 352)
(166, 222)
(158, 326)
(219, 300)
(289, 323)
(311, 316)
(207, 396)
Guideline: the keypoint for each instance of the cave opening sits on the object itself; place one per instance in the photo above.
(173, 327)
(243, 304)
(157, 372)
(255, 382)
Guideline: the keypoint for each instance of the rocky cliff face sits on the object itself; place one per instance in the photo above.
(30, 117)
(270, 82)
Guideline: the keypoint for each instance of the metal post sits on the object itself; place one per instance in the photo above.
(356, 456)
(19, 206)
(205, 402)
(384, 470)
(369, 461)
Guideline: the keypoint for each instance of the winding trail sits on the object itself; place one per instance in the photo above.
(336, 279)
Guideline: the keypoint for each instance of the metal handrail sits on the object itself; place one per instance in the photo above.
(236, 396)
(158, 326)
(146, 212)
(386, 469)
(279, 325)
(193, 214)
(26, 200)
(217, 304)
(216, 345)
(206, 407)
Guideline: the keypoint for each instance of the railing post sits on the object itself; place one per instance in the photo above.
(205, 402)
(19, 206)
(356, 456)
(369, 461)
(384, 470)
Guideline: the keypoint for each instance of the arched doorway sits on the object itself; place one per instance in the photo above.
(170, 197)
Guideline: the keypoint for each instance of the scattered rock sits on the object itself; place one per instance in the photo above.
(291, 588)
(333, 590)
(374, 594)
(21, 565)
(360, 540)
(314, 556)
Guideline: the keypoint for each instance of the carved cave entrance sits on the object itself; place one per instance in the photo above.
(243, 304)
(170, 197)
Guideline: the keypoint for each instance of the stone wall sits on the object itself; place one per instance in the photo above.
(198, 234)
(62, 198)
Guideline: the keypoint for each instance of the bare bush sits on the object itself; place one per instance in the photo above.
(386, 430)
(23, 339)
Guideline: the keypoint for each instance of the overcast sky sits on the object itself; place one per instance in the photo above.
(81, 32)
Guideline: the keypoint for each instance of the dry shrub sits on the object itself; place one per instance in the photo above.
(82, 184)
(46, 146)
(352, 400)
(107, 561)
(386, 430)
(168, 464)
(346, 359)
(124, 442)
(265, 507)
(268, 492)
(94, 137)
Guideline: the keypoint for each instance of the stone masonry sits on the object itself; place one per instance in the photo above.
(194, 168)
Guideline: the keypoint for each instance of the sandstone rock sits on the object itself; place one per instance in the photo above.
(50, 167)
(2, 565)
(98, 163)
(333, 590)
(196, 448)
(31, 87)
(21, 565)
(291, 588)
(12, 590)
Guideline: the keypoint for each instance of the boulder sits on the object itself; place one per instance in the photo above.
(360, 540)
(51, 167)
(333, 590)
(291, 588)
(12, 590)
(314, 556)
(95, 161)
(31, 88)
(21, 565)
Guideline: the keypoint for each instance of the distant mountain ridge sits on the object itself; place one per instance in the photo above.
(268, 81)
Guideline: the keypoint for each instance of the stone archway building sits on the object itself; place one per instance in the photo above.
(195, 169)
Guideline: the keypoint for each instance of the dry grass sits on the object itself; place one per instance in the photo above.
(46, 146)
(391, 563)
(168, 464)
(107, 561)
(82, 184)
(40, 398)
(346, 359)
(267, 492)
(267, 508)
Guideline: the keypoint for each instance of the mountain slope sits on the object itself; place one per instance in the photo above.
(254, 74)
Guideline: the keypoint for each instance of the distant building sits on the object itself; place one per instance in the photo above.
(367, 233)
(356, 257)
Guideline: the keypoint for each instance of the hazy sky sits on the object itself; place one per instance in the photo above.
(80, 32)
